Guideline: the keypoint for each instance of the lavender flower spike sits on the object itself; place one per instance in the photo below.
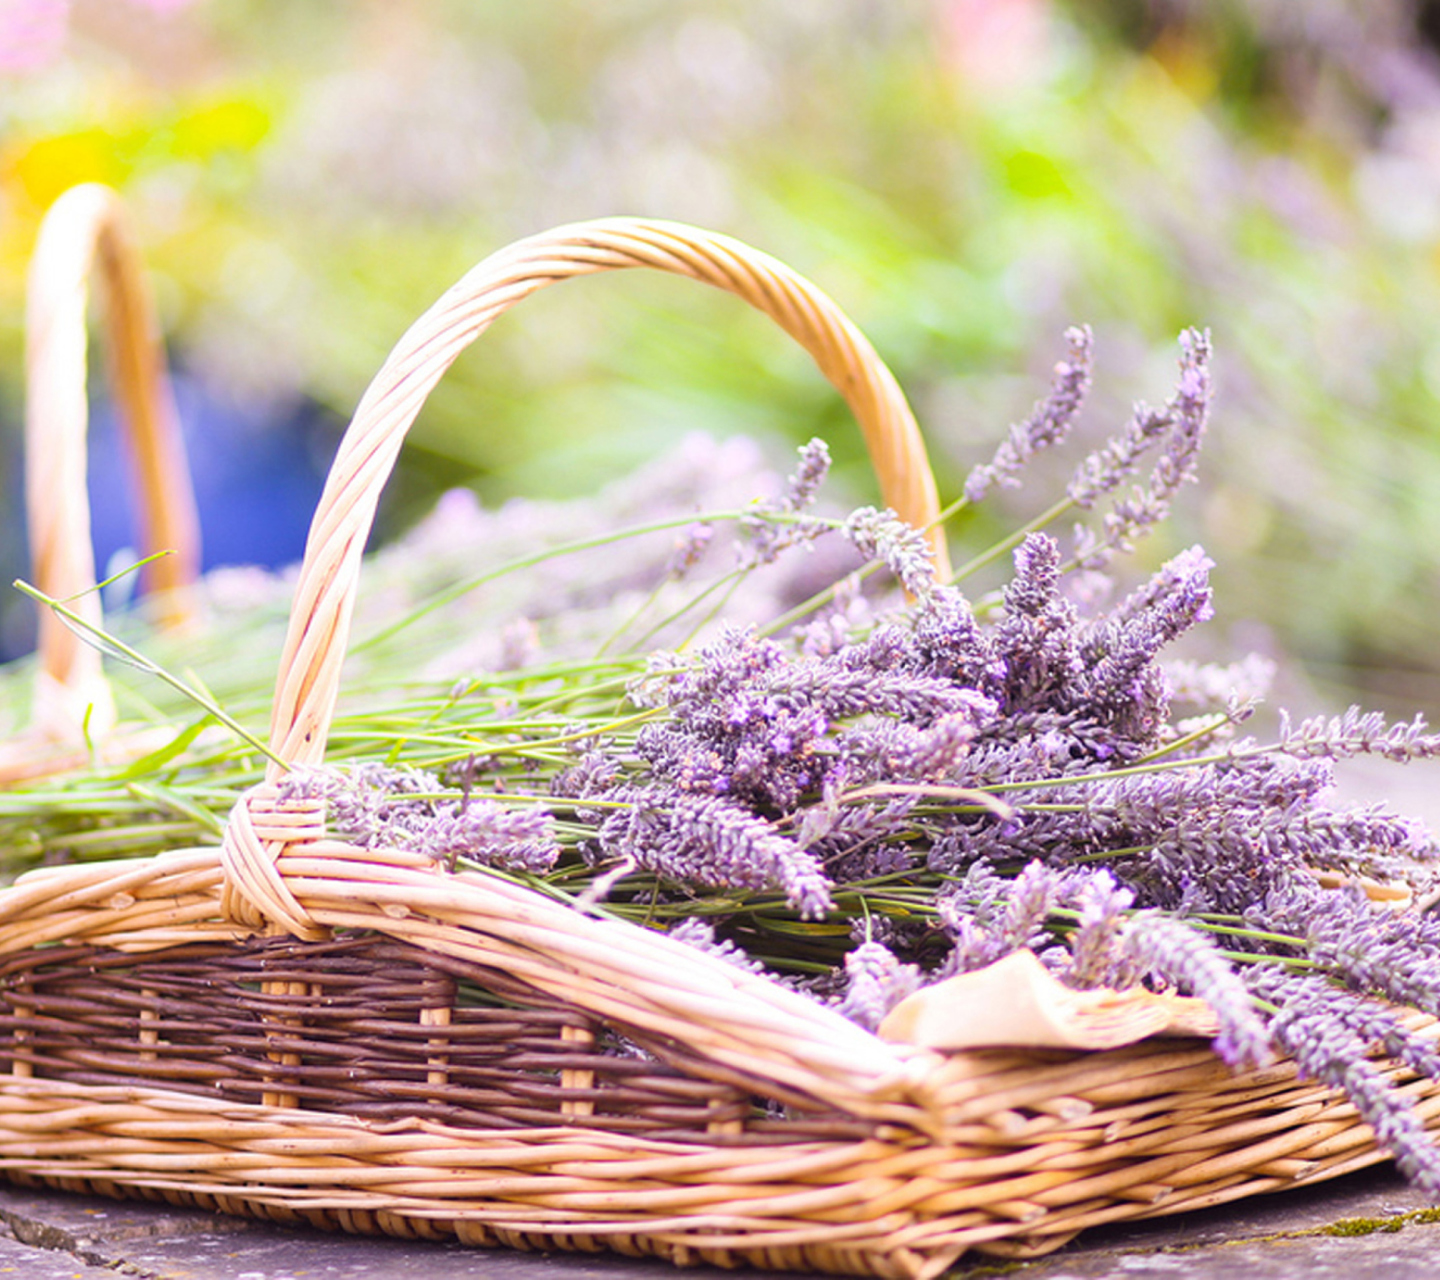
(1049, 422)
(1184, 957)
(1356, 734)
(709, 842)
(882, 535)
(1182, 423)
(764, 540)
(875, 983)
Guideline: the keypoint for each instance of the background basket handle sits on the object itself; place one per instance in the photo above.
(324, 598)
(85, 230)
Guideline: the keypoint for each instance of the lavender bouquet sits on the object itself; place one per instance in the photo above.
(868, 794)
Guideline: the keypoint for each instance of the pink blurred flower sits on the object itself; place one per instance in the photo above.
(32, 32)
(995, 45)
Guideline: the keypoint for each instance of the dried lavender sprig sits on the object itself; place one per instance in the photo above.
(1104, 905)
(1213, 839)
(876, 981)
(1182, 422)
(1107, 468)
(1037, 640)
(1121, 685)
(1316, 1024)
(378, 806)
(1372, 947)
(1357, 733)
(710, 842)
(1167, 948)
(700, 934)
(764, 540)
(882, 535)
(689, 546)
(1049, 422)
(1034, 893)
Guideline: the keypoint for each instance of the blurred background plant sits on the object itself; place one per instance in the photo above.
(967, 177)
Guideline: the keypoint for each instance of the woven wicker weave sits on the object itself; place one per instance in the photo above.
(296, 1027)
(85, 233)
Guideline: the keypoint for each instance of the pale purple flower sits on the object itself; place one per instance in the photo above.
(1037, 638)
(690, 545)
(1049, 422)
(711, 843)
(1179, 955)
(377, 806)
(1181, 424)
(1103, 904)
(876, 981)
(1329, 1034)
(697, 932)
(903, 549)
(1370, 946)
(1355, 734)
(765, 538)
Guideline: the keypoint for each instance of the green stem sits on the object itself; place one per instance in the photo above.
(1014, 540)
(116, 648)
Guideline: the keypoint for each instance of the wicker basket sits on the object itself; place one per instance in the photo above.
(298, 1028)
(73, 712)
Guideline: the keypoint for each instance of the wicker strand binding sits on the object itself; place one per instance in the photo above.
(85, 233)
(299, 1028)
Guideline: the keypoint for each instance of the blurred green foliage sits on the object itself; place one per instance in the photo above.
(966, 177)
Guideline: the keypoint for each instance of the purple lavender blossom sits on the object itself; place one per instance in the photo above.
(866, 842)
(690, 546)
(748, 723)
(988, 916)
(1217, 838)
(1121, 684)
(696, 932)
(876, 981)
(1103, 905)
(1317, 1025)
(1182, 424)
(1049, 422)
(903, 549)
(376, 806)
(1370, 946)
(1164, 947)
(1037, 637)
(1034, 893)
(949, 643)
(1356, 734)
(764, 538)
(712, 843)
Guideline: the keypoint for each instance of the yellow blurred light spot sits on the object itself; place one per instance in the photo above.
(50, 166)
(224, 126)
(1034, 175)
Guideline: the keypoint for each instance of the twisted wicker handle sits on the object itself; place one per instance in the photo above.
(83, 230)
(320, 619)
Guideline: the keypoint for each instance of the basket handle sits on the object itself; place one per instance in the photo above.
(85, 230)
(315, 644)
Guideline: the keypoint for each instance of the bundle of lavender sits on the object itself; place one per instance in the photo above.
(868, 796)
(866, 801)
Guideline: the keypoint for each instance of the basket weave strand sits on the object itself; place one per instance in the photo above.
(85, 233)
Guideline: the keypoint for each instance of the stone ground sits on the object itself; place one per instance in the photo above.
(1368, 1226)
